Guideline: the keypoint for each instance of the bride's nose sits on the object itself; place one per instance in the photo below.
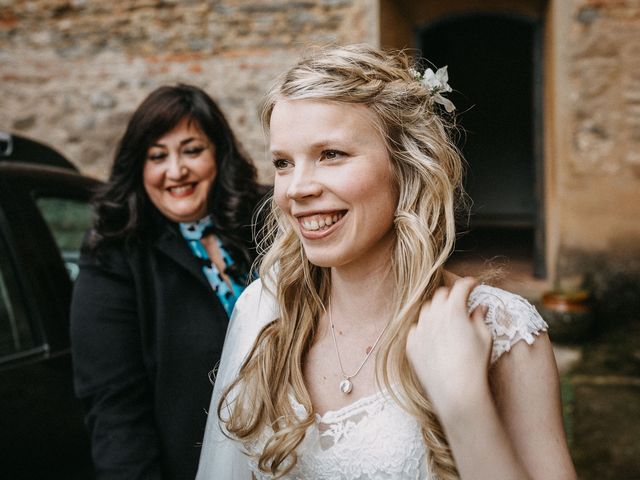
(304, 183)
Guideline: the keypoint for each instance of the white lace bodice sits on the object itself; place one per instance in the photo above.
(373, 438)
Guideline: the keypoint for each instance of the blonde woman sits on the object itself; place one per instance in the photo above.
(357, 356)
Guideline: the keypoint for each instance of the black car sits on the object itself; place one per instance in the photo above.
(44, 213)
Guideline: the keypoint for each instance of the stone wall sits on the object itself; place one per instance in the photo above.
(72, 71)
(598, 169)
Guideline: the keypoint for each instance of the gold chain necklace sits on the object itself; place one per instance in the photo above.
(346, 385)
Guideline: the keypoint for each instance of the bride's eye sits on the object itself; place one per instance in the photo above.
(332, 154)
(280, 163)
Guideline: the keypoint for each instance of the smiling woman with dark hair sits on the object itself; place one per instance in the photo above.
(169, 254)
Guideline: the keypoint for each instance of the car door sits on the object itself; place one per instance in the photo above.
(43, 215)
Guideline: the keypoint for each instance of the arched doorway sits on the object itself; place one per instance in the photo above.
(494, 63)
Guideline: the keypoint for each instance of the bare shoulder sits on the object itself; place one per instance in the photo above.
(525, 384)
(449, 278)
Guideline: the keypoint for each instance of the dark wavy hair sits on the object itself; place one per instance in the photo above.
(122, 206)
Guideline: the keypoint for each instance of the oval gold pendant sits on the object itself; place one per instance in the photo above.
(346, 386)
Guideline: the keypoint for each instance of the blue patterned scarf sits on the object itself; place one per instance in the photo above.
(193, 232)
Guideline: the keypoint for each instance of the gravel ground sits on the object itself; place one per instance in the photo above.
(601, 394)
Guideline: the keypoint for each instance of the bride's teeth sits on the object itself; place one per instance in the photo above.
(318, 223)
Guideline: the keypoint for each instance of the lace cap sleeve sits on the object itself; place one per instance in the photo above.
(510, 318)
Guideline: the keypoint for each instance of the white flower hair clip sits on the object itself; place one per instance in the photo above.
(437, 84)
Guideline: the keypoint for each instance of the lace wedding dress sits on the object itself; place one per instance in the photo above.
(371, 439)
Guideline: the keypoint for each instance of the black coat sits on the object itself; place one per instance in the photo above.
(146, 328)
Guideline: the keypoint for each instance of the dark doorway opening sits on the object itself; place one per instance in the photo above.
(494, 68)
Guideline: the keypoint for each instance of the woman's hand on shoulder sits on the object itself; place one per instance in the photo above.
(449, 348)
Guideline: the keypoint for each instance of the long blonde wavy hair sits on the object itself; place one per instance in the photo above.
(427, 170)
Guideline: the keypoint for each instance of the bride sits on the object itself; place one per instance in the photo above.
(357, 356)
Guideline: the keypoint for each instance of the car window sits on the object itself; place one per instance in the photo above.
(68, 220)
(15, 331)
